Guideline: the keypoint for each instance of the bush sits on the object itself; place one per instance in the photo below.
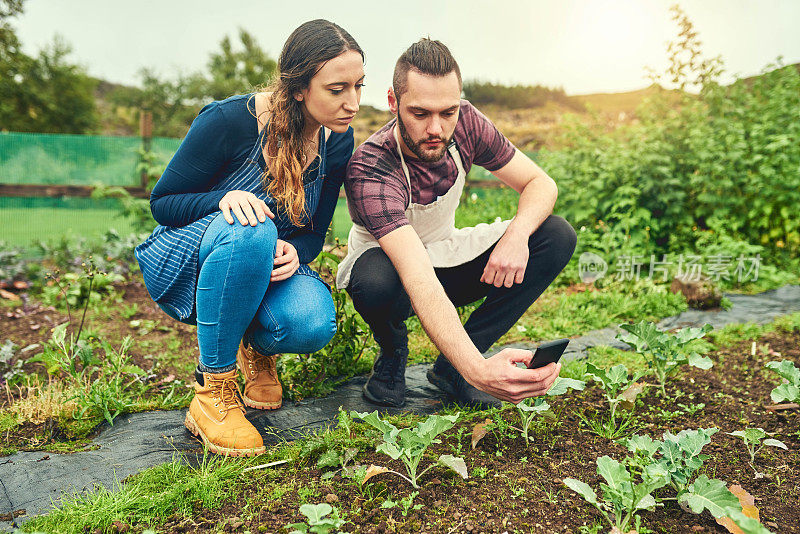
(723, 161)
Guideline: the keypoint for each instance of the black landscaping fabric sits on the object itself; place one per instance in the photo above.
(34, 481)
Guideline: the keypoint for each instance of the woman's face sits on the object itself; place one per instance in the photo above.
(333, 94)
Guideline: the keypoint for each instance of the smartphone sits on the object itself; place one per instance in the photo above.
(548, 352)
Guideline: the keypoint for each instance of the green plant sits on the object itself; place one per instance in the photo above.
(529, 408)
(137, 210)
(679, 454)
(409, 445)
(321, 518)
(618, 389)
(622, 496)
(789, 391)
(318, 373)
(752, 440)
(665, 352)
(407, 503)
(73, 290)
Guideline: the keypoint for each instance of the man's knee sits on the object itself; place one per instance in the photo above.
(561, 240)
(374, 282)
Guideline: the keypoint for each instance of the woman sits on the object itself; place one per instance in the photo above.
(243, 206)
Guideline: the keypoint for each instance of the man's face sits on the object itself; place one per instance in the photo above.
(427, 114)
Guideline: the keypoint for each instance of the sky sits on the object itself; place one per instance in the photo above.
(584, 46)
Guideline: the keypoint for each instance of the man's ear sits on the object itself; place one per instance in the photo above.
(393, 102)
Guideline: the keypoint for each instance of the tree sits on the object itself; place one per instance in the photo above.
(45, 93)
(232, 72)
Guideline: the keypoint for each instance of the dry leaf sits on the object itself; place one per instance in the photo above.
(748, 508)
(20, 284)
(630, 394)
(479, 431)
(9, 295)
(373, 470)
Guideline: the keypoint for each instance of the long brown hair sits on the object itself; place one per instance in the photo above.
(305, 51)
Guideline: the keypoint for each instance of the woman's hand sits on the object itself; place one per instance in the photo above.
(247, 207)
(286, 261)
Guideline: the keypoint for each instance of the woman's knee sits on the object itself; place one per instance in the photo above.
(299, 331)
(250, 249)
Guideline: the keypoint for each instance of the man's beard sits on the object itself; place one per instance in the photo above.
(416, 147)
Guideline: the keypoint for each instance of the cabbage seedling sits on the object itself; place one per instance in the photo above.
(529, 408)
(680, 454)
(318, 519)
(409, 445)
(665, 352)
(616, 385)
(622, 497)
(752, 440)
(790, 390)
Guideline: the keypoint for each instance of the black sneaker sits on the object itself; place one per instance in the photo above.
(386, 385)
(445, 377)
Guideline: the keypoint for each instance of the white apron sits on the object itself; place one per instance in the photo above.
(447, 246)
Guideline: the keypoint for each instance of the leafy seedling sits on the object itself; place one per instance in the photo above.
(528, 409)
(407, 504)
(409, 444)
(665, 353)
(680, 457)
(320, 519)
(712, 495)
(789, 391)
(619, 390)
(622, 496)
(752, 440)
(679, 454)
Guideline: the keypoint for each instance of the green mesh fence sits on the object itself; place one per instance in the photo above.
(75, 159)
(68, 160)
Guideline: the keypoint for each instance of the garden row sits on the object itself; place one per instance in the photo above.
(685, 449)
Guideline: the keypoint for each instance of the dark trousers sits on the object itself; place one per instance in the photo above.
(379, 296)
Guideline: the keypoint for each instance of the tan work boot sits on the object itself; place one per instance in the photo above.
(262, 389)
(216, 415)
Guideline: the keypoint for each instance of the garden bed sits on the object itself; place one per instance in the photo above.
(511, 487)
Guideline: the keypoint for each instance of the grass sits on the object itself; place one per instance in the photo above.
(22, 226)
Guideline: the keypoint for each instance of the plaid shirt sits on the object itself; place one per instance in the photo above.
(376, 188)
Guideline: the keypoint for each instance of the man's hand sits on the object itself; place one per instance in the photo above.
(500, 377)
(507, 262)
(286, 261)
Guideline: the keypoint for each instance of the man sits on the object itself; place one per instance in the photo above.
(404, 254)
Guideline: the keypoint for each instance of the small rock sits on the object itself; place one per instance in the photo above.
(436, 482)
(772, 524)
(438, 504)
(236, 524)
(469, 527)
(331, 498)
(698, 528)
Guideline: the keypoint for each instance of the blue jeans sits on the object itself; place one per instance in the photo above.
(236, 300)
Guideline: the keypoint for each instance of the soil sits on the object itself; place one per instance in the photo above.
(517, 488)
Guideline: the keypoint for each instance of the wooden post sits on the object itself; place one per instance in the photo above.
(146, 132)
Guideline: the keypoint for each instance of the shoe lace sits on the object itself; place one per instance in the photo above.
(227, 391)
(261, 362)
(386, 368)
